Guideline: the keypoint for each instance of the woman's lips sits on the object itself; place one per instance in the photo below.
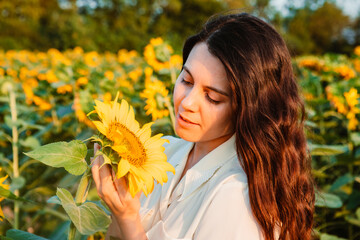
(185, 121)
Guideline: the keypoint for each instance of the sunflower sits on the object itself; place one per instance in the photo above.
(157, 54)
(5, 186)
(141, 158)
(157, 97)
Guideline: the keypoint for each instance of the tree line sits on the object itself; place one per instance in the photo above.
(317, 26)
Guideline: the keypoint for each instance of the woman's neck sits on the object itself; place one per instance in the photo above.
(201, 149)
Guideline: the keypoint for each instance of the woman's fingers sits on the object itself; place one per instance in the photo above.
(112, 190)
(95, 164)
(96, 147)
(120, 184)
(101, 175)
(95, 171)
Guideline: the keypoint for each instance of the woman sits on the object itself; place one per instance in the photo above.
(242, 168)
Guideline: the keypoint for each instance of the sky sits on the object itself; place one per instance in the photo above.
(350, 7)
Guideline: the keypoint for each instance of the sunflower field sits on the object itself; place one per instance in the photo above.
(45, 98)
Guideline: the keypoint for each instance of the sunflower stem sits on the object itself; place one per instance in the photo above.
(80, 198)
(54, 115)
(171, 112)
(173, 75)
(73, 233)
(15, 148)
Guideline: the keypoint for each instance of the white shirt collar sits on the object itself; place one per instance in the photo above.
(201, 171)
(208, 165)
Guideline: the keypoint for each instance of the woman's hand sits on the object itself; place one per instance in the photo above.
(114, 192)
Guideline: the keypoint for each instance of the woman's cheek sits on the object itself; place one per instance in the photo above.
(177, 96)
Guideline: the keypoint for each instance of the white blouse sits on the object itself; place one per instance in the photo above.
(210, 202)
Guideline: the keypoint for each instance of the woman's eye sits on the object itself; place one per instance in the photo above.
(211, 100)
(185, 82)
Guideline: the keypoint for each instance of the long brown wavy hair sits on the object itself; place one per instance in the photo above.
(269, 121)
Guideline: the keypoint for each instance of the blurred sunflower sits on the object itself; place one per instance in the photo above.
(79, 113)
(64, 89)
(142, 158)
(157, 54)
(352, 97)
(157, 96)
(345, 72)
(5, 186)
(357, 50)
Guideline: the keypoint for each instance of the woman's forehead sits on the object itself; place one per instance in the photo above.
(205, 67)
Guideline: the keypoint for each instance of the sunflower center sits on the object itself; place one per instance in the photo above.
(160, 100)
(134, 150)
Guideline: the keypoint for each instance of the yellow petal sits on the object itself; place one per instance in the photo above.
(130, 117)
(145, 133)
(1, 215)
(100, 126)
(133, 185)
(123, 168)
(148, 181)
(157, 173)
(93, 111)
(124, 108)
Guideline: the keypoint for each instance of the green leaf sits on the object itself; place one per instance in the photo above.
(327, 200)
(354, 199)
(88, 218)
(61, 231)
(358, 213)
(327, 150)
(17, 123)
(70, 155)
(355, 138)
(5, 238)
(341, 181)
(17, 183)
(54, 199)
(310, 124)
(101, 206)
(325, 236)
(96, 138)
(9, 195)
(16, 234)
(30, 142)
(352, 220)
(68, 181)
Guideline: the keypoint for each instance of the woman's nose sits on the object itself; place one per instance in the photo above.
(191, 100)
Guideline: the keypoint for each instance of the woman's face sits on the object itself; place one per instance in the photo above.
(202, 98)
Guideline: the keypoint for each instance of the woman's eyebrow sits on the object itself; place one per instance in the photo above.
(207, 87)
(187, 70)
(217, 90)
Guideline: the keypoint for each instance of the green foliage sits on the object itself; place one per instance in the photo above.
(317, 26)
(328, 200)
(54, 90)
(70, 156)
(45, 97)
(9, 195)
(15, 234)
(331, 86)
(106, 26)
(317, 30)
(88, 218)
